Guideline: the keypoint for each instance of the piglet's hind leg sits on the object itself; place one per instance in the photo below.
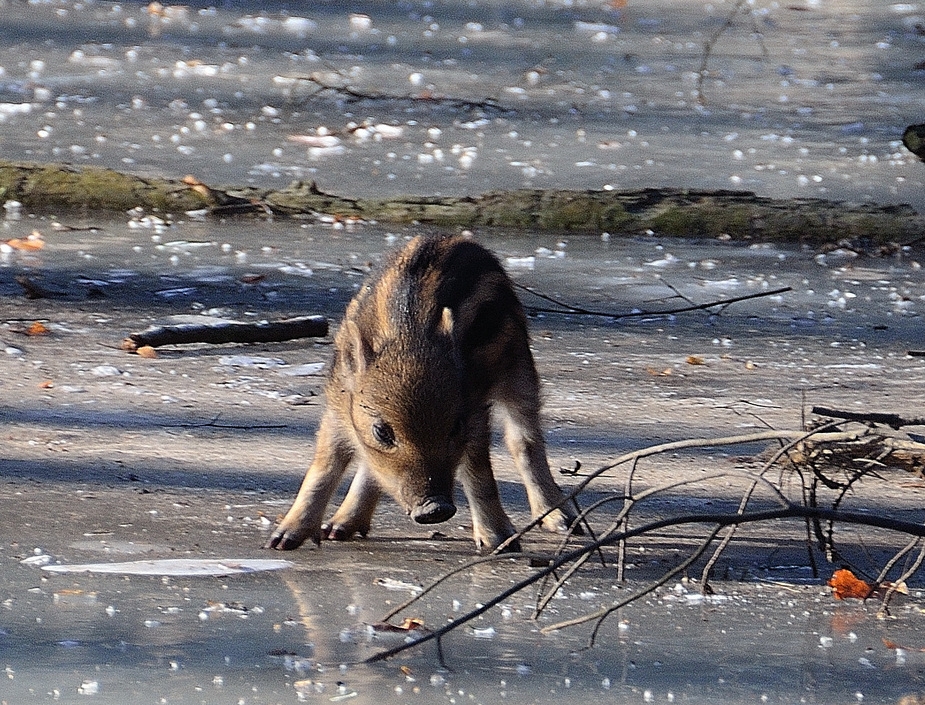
(355, 514)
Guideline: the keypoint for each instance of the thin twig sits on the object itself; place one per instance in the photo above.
(743, 503)
(570, 309)
(709, 45)
(602, 614)
(619, 521)
(353, 94)
(900, 581)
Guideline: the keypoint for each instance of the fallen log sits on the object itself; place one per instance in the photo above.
(228, 332)
(737, 215)
(914, 140)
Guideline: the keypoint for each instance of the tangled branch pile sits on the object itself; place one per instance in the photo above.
(808, 476)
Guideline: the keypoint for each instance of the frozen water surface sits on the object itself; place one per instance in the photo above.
(111, 458)
(192, 456)
(797, 99)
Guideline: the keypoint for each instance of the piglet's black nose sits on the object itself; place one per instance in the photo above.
(433, 510)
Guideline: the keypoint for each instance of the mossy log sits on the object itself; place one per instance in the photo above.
(740, 215)
(914, 140)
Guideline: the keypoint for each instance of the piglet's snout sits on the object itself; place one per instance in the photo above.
(433, 510)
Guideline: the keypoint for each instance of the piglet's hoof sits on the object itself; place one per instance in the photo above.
(433, 510)
(341, 532)
(283, 541)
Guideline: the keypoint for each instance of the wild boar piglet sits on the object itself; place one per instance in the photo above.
(430, 346)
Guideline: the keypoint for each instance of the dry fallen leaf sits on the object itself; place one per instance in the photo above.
(659, 373)
(33, 242)
(893, 645)
(410, 624)
(197, 186)
(47, 384)
(146, 351)
(695, 360)
(37, 328)
(845, 585)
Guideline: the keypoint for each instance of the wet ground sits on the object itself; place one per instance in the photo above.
(110, 457)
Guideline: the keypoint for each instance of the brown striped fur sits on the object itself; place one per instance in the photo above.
(428, 348)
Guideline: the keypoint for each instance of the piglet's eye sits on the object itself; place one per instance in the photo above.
(384, 434)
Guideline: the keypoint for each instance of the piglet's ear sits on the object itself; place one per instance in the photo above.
(357, 350)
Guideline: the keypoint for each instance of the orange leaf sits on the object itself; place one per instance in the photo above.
(694, 360)
(893, 645)
(47, 384)
(844, 585)
(37, 328)
(146, 351)
(33, 242)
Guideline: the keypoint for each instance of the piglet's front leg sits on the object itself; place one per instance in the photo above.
(304, 519)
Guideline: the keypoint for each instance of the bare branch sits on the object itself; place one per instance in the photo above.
(348, 92)
(605, 612)
(568, 309)
(791, 511)
(710, 44)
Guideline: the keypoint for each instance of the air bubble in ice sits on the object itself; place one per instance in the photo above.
(89, 687)
(360, 22)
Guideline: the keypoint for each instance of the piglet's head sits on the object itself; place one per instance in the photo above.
(407, 409)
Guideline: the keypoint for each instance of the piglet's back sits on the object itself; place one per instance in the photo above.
(412, 288)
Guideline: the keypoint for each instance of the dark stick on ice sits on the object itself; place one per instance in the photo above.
(894, 421)
(229, 332)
